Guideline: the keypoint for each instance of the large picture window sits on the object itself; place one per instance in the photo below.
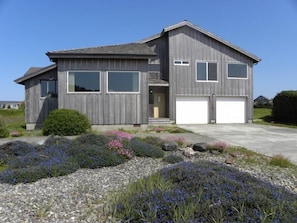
(207, 71)
(84, 81)
(237, 70)
(123, 81)
(48, 88)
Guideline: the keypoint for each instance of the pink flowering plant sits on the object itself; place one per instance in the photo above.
(119, 134)
(219, 146)
(116, 142)
(15, 134)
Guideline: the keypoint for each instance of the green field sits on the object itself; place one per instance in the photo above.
(262, 115)
(15, 121)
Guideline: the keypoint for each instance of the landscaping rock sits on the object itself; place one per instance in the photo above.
(229, 161)
(189, 152)
(170, 146)
(200, 147)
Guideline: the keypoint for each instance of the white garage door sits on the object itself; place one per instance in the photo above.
(230, 110)
(192, 110)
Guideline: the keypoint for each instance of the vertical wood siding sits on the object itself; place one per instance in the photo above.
(37, 108)
(106, 108)
(160, 47)
(188, 44)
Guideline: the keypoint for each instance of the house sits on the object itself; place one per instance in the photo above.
(10, 104)
(262, 102)
(183, 74)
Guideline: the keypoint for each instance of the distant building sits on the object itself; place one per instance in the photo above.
(10, 104)
(262, 102)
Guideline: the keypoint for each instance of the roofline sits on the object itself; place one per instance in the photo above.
(22, 79)
(186, 23)
(53, 56)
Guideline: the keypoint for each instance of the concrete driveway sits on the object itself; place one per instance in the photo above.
(267, 140)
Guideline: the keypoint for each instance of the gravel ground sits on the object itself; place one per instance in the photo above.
(79, 197)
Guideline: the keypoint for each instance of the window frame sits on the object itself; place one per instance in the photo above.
(237, 63)
(85, 92)
(123, 92)
(55, 95)
(177, 62)
(206, 62)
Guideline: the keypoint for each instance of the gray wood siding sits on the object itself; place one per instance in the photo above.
(160, 47)
(188, 44)
(37, 108)
(106, 108)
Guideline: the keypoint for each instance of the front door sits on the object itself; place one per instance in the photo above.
(159, 105)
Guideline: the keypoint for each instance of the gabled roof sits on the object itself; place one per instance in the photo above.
(186, 23)
(33, 72)
(131, 51)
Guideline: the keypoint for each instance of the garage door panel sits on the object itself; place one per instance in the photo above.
(192, 110)
(231, 110)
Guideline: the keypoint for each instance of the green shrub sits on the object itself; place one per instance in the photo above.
(173, 159)
(93, 139)
(285, 107)
(3, 130)
(92, 156)
(143, 149)
(153, 140)
(66, 122)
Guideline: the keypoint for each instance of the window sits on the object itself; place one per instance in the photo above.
(84, 81)
(48, 88)
(207, 71)
(237, 70)
(119, 81)
(181, 62)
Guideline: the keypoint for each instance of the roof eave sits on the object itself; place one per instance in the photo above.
(54, 56)
(24, 78)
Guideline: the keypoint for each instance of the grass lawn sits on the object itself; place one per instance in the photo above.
(264, 116)
(15, 121)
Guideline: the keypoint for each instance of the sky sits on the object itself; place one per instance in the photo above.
(29, 29)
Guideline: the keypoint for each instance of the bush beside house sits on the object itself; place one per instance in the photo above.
(66, 122)
(285, 107)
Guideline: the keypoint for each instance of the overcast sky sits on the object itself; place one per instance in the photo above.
(29, 29)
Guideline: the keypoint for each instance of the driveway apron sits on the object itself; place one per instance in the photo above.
(267, 140)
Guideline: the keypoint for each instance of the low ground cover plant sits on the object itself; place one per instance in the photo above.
(167, 129)
(203, 192)
(22, 162)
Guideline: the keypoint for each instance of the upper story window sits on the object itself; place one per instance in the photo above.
(49, 88)
(123, 81)
(237, 70)
(181, 62)
(207, 71)
(83, 81)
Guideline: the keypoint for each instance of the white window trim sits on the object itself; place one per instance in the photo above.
(182, 62)
(235, 78)
(207, 62)
(124, 92)
(84, 92)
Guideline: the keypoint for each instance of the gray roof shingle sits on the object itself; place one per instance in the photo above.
(131, 50)
(33, 72)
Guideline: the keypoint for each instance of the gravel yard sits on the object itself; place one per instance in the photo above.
(79, 197)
